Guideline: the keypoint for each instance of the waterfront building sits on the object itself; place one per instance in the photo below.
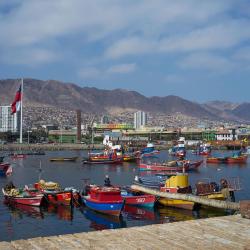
(226, 135)
(8, 122)
(140, 119)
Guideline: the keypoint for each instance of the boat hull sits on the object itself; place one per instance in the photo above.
(29, 201)
(140, 200)
(112, 208)
(177, 203)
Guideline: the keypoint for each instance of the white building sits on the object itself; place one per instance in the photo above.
(8, 122)
(140, 119)
(226, 135)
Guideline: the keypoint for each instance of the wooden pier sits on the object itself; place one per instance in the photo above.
(228, 232)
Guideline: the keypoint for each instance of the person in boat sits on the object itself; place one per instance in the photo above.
(107, 182)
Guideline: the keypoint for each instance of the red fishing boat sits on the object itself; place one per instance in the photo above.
(137, 198)
(239, 159)
(173, 166)
(55, 195)
(228, 160)
(13, 195)
(18, 156)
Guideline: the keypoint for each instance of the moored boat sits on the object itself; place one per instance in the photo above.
(107, 200)
(177, 184)
(137, 198)
(179, 149)
(5, 169)
(149, 150)
(64, 159)
(55, 195)
(18, 156)
(172, 166)
(106, 161)
(13, 195)
(228, 160)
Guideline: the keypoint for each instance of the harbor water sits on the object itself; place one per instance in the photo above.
(21, 222)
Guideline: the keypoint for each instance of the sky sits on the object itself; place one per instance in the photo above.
(195, 49)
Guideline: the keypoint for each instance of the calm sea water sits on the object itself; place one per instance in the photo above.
(25, 222)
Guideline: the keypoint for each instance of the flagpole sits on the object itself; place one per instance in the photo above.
(21, 110)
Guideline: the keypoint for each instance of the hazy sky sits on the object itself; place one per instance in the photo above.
(196, 49)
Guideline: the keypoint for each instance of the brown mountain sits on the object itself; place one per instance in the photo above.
(92, 100)
(242, 111)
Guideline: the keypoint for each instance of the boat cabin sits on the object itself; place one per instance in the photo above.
(105, 194)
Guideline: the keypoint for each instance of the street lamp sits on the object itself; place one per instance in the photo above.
(29, 136)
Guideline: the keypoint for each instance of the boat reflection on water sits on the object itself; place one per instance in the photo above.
(139, 213)
(102, 221)
(19, 210)
(62, 212)
(168, 214)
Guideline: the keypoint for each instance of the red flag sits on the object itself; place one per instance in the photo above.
(16, 105)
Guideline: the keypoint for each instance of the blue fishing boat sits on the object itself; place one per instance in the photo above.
(149, 150)
(107, 200)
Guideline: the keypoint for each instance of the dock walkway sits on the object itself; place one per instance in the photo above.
(228, 232)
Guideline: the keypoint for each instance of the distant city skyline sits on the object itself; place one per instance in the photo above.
(198, 50)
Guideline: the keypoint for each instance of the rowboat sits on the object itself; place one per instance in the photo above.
(137, 199)
(64, 159)
(107, 200)
(22, 197)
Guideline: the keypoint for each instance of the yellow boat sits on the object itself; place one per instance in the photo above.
(177, 184)
(180, 184)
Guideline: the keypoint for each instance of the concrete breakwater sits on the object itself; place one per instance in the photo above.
(228, 232)
(49, 147)
(57, 146)
(71, 146)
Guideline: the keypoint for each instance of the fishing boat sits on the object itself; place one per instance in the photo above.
(137, 198)
(179, 149)
(237, 159)
(203, 149)
(149, 150)
(14, 195)
(64, 159)
(55, 195)
(107, 200)
(172, 166)
(128, 157)
(5, 169)
(18, 156)
(228, 160)
(107, 161)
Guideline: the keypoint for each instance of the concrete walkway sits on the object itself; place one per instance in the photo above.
(229, 232)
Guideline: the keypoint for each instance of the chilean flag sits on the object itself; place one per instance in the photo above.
(16, 105)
